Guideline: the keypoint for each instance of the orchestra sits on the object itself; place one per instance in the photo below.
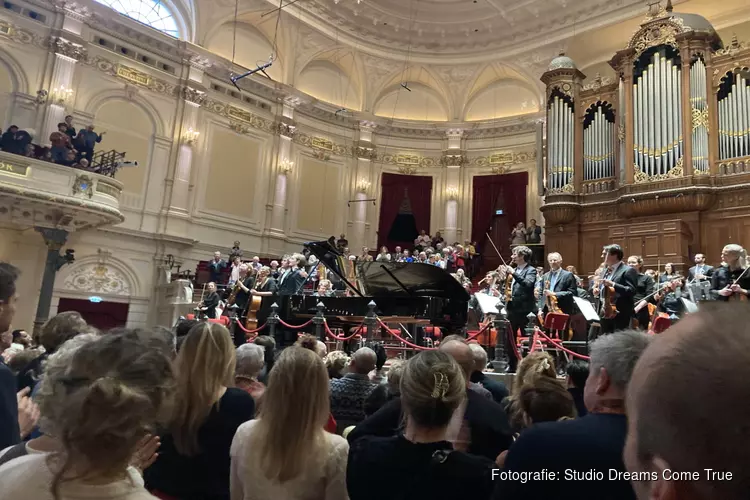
(623, 294)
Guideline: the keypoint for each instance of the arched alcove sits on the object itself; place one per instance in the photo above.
(420, 102)
(172, 17)
(501, 99)
(332, 81)
(252, 47)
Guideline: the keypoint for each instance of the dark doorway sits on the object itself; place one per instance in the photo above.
(102, 315)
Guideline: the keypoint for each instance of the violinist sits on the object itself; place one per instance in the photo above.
(700, 271)
(668, 299)
(732, 280)
(558, 283)
(616, 290)
(645, 287)
(521, 293)
(241, 292)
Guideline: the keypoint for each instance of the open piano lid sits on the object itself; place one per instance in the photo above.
(418, 280)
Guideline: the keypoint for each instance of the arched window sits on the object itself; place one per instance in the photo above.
(150, 12)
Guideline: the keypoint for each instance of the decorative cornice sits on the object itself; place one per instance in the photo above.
(22, 36)
(193, 95)
(409, 162)
(241, 121)
(733, 48)
(131, 75)
(69, 49)
(322, 148)
(365, 150)
(286, 128)
(454, 158)
(504, 160)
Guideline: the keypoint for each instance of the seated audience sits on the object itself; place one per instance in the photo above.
(594, 442)
(193, 460)
(496, 388)
(385, 392)
(578, 372)
(250, 362)
(545, 400)
(101, 402)
(535, 364)
(55, 332)
(181, 330)
(482, 422)
(336, 363)
(689, 420)
(285, 453)
(377, 376)
(349, 392)
(269, 355)
(421, 462)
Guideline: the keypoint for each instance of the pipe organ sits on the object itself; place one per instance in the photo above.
(657, 112)
(561, 116)
(734, 115)
(599, 142)
(660, 154)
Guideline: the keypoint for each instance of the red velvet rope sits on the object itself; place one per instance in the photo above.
(334, 336)
(403, 340)
(558, 344)
(294, 327)
(239, 323)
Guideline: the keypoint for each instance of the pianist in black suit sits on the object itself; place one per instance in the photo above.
(290, 283)
(624, 279)
(210, 301)
(700, 271)
(522, 296)
(558, 283)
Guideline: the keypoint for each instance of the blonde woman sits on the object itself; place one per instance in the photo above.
(285, 453)
(193, 459)
(100, 398)
(421, 463)
(535, 365)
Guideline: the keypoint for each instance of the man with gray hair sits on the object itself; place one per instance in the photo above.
(496, 388)
(348, 393)
(582, 458)
(688, 410)
(250, 362)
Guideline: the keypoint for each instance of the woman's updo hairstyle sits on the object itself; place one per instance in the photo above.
(432, 387)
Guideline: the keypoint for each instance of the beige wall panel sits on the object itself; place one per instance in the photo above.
(233, 165)
(318, 200)
(129, 130)
(6, 88)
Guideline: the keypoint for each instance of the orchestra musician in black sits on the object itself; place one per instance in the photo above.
(557, 283)
(241, 293)
(522, 281)
(645, 287)
(700, 271)
(624, 280)
(731, 281)
(210, 302)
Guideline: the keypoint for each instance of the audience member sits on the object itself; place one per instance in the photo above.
(387, 391)
(336, 363)
(349, 392)
(70, 130)
(421, 462)
(60, 144)
(578, 372)
(193, 460)
(496, 388)
(250, 362)
(55, 332)
(591, 443)
(687, 410)
(377, 376)
(311, 342)
(482, 422)
(535, 364)
(545, 400)
(8, 140)
(10, 433)
(100, 403)
(285, 453)
(269, 348)
(182, 329)
(87, 140)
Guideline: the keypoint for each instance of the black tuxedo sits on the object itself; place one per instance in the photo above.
(565, 288)
(644, 286)
(210, 302)
(707, 272)
(521, 304)
(290, 283)
(625, 280)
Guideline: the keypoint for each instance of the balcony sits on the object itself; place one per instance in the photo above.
(34, 193)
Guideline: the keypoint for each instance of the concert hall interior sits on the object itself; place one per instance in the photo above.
(493, 187)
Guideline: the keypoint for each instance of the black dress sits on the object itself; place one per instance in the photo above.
(415, 470)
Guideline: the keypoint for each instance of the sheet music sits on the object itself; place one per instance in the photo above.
(586, 309)
(488, 304)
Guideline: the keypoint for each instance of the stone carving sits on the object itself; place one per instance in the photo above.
(453, 159)
(22, 36)
(286, 129)
(237, 115)
(193, 95)
(599, 82)
(365, 151)
(504, 159)
(733, 48)
(322, 148)
(69, 49)
(98, 278)
(409, 161)
(83, 185)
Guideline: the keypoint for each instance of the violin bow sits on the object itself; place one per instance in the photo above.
(496, 250)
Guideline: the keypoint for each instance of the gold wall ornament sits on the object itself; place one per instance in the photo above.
(621, 133)
(503, 159)
(83, 184)
(133, 75)
(68, 49)
(502, 169)
(662, 32)
(403, 169)
(700, 118)
(673, 173)
(365, 152)
(286, 129)
(193, 95)
(453, 159)
(408, 159)
(239, 127)
(321, 154)
(566, 189)
(14, 168)
(733, 48)
(321, 143)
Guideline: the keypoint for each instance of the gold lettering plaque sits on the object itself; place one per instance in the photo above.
(13, 168)
(133, 75)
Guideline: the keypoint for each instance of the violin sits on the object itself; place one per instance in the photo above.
(609, 307)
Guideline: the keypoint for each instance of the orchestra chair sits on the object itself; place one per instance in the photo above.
(556, 323)
(433, 332)
(660, 324)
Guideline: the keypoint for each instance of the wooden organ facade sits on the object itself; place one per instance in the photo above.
(657, 161)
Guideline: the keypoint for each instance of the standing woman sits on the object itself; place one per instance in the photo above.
(193, 460)
(285, 453)
(518, 235)
(421, 463)
(669, 273)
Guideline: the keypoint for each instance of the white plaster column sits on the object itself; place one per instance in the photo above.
(189, 139)
(365, 153)
(453, 158)
(60, 92)
(285, 164)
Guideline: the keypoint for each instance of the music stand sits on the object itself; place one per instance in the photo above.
(699, 291)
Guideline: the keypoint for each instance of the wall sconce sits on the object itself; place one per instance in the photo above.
(286, 166)
(61, 95)
(452, 193)
(363, 185)
(190, 136)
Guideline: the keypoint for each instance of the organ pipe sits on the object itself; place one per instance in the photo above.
(599, 146)
(698, 102)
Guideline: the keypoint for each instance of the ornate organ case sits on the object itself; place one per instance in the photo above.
(658, 160)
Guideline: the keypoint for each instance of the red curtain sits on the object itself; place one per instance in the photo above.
(418, 189)
(102, 315)
(488, 189)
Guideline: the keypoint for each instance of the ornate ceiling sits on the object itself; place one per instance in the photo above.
(467, 28)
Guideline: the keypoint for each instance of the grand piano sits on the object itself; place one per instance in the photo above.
(406, 293)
